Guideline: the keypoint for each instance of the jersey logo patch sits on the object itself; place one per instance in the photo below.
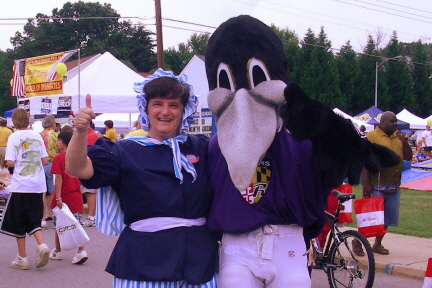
(260, 182)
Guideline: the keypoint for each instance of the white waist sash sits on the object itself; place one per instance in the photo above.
(163, 223)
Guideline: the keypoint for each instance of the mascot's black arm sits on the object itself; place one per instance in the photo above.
(339, 149)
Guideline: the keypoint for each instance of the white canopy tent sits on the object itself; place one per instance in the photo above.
(106, 79)
(356, 122)
(416, 123)
(121, 120)
(196, 73)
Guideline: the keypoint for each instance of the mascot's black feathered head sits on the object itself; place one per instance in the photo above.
(247, 72)
(251, 51)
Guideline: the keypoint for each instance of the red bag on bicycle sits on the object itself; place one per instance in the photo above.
(345, 214)
(370, 216)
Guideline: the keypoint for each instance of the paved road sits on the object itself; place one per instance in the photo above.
(58, 273)
(92, 275)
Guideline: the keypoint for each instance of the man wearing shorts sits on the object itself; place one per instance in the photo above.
(23, 212)
(386, 183)
(427, 141)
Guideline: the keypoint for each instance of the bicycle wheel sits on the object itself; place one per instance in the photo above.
(345, 269)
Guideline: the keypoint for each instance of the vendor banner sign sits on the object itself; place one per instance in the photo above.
(24, 104)
(64, 104)
(41, 77)
(46, 106)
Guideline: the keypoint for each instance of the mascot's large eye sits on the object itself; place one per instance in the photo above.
(225, 78)
(257, 72)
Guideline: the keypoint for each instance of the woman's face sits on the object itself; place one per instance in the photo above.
(165, 117)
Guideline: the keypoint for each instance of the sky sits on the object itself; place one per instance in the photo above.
(342, 20)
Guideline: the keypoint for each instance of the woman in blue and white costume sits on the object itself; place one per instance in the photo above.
(162, 183)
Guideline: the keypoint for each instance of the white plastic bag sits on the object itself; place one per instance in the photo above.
(71, 233)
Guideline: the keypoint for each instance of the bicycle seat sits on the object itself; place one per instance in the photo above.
(342, 197)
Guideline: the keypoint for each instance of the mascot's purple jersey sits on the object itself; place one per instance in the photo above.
(296, 194)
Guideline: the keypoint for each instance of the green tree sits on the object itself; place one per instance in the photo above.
(320, 76)
(422, 83)
(308, 44)
(177, 59)
(69, 29)
(346, 61)
(364, 96)
(398, 77)
(290, 42)
(197, 44)
(6, 102)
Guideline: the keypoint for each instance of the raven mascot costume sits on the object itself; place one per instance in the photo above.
(276, 156)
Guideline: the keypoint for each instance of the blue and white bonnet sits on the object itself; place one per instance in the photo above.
(189, 109)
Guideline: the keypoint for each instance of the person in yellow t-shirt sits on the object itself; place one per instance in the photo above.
(137, 130)
(4, 134)
(110, 133)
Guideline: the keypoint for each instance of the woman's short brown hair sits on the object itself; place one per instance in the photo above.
(20, 118)
(168, 88)
(109, 123)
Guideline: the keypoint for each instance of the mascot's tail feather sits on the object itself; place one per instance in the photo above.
(340, 151)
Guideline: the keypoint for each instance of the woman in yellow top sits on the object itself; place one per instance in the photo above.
(137, 130)
(110, 133)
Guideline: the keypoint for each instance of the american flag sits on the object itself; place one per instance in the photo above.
(17, 88)
(52, 74)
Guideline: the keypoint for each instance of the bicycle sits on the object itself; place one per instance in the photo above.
(338, 260)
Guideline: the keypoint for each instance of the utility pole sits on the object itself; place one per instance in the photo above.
(159, 41)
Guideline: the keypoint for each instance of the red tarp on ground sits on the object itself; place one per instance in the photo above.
(421, 184)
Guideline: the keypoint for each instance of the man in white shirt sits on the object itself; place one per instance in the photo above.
(427, 140)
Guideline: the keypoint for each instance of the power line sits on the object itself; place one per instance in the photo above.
(393, 9)
(383, 11)
(325, 15)
(404, 6)
(359, 53)
(73, 18)
(207, 26)
(189, 23)
(314, 18)
(186, 29)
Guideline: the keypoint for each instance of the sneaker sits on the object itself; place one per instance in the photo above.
(43, 255)
(44, 224)
(80, 258)
(89, 222)
(55, 255)
(20, 263)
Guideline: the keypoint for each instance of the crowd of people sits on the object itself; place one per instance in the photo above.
(159, 206)
(421, 144)
(235, 210)
(34, 181)
(42, 165)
